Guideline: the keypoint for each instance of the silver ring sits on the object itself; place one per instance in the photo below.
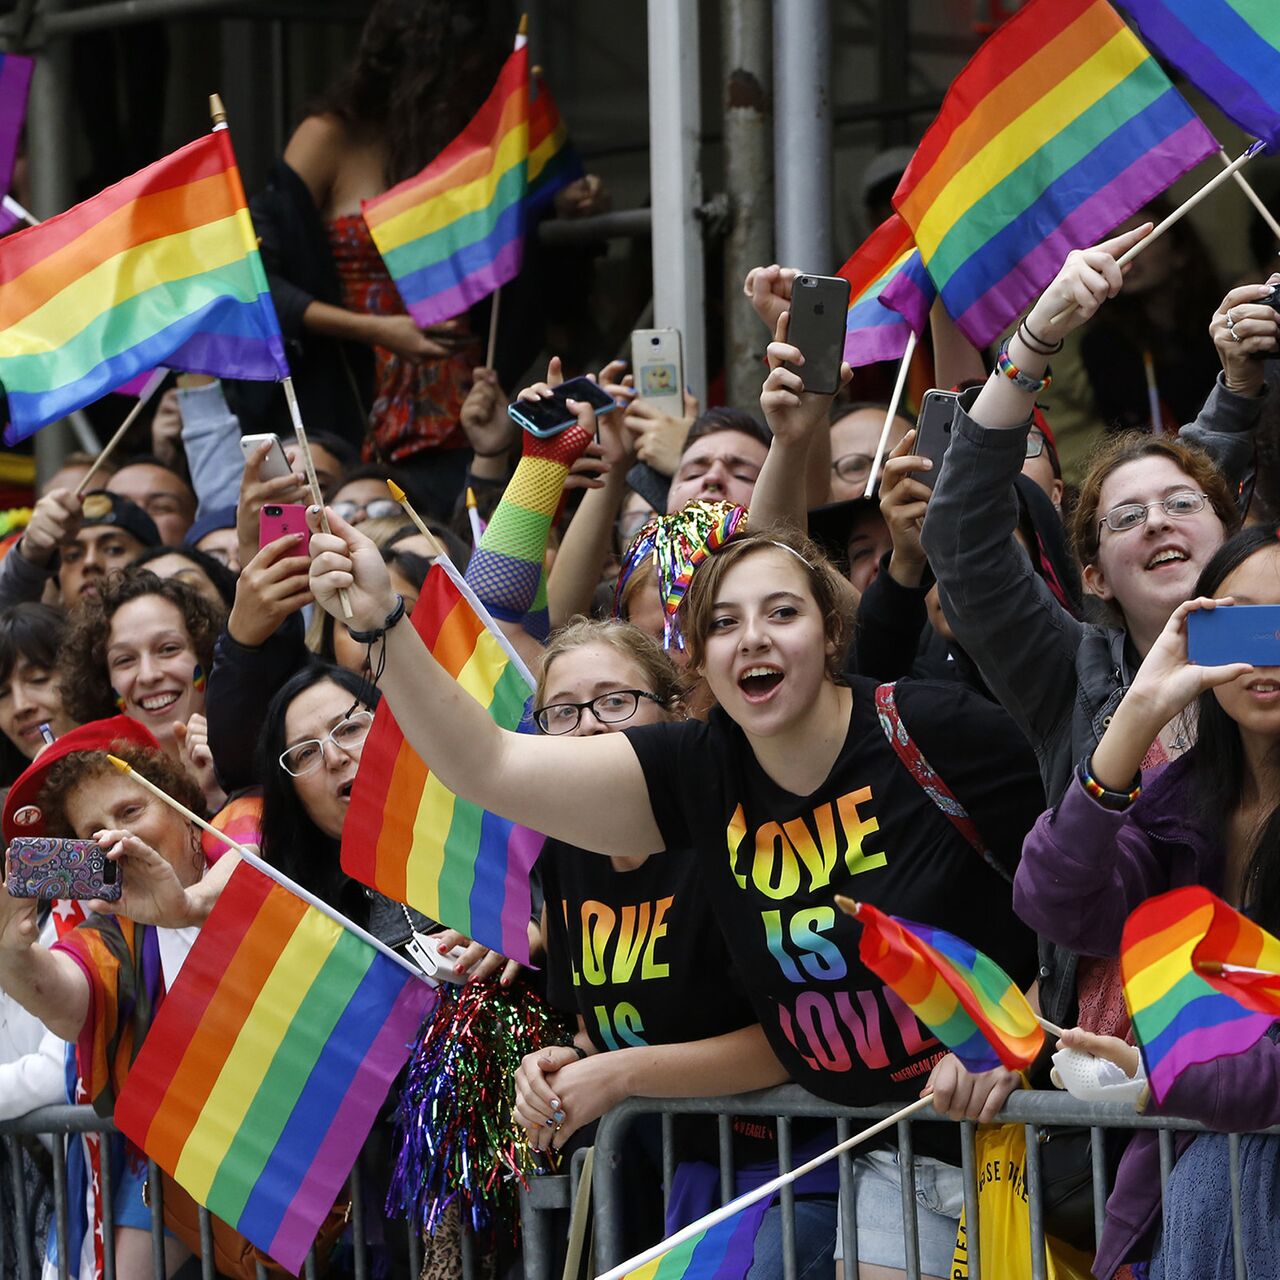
(1235, 337)
(1231, 320)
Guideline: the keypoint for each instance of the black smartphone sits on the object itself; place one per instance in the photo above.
(819, 305)
(933, 431)
(550, 417)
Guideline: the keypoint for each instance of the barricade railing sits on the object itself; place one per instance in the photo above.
(1039, 1111)
(58, 1123)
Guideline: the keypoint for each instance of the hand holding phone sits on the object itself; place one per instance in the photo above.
(933, 431)
(278, 519)
(658, 365)
(819, 305)
(548, 416)
(276, 464)
(48, 867)
(1235, 633)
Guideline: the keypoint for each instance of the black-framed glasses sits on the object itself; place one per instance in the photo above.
(374, 509)
(1035, 443)
(608, 708)
(307, 756)
(1186, 502)
(852, 467)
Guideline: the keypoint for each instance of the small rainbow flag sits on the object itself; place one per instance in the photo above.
(890, 294)
(162, 268)
(724, 1251)
(454, 233)
(409, 837)
(1229, 49)
(1060, 127)
(961, 995)
(1177, 954)
(267, 1063)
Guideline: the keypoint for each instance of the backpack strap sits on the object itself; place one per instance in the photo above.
(929, 782)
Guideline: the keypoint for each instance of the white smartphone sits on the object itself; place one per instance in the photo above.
(275, 464)
(658, 364)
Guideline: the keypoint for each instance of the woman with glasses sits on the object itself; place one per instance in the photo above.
(362, 494)
(1152, 511)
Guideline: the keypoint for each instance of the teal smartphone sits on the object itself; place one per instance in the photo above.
(549, 417)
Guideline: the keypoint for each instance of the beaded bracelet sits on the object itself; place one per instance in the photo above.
(1104, 796)
(1017, 377)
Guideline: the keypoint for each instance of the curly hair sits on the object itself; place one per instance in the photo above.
(82, 661)
(82, 766)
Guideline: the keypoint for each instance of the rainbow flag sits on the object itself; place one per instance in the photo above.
(961, 995)
(268, 1061)
(1185, 1009)
(886, 264)
(162, 268)
(1060, 127)
(454, 233)
(724, 1251)
(1229, 49)
(409, 837)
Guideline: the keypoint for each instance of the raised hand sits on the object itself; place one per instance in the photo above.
(903, 503)
(345, 558)
(489, 429)
(793, 414)
(273, 584)
(53, 523)
(1243, 329)
(254, 491)
(769, 290)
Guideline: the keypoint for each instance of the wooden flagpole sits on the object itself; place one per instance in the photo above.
(874, 474)
(407, 507)
(144, 398)
(1254, 199)
(492, 348)
(750, 1197)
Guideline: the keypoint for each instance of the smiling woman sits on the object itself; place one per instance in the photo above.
(30, 691)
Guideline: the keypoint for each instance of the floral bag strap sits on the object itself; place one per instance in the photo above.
(922, 771)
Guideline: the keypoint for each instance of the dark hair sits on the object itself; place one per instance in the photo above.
(724, 419)
(459, 551)
(345, 452)
(150, 460)
(31, 632)
(223, 579)
(372, 471)
(421, 70)
(1219, 763)
(82, 661)
(290, 840)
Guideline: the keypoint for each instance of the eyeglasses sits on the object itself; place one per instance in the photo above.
(307, 756)
(1183, 503)
(608, 708)
(1035, 445)
(852, 467)
(377, 509)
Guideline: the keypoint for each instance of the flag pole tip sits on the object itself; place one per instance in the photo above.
(524, 25)
(119, 764)
(471, 497)
(396, 491)
(216, 109)
(848, 905)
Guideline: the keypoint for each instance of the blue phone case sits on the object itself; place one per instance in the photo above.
(1235, 633)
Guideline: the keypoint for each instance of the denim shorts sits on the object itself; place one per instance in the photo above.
(881, 1234)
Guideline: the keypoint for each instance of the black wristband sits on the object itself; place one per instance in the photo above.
(372, 637)
(1039, 345)
(579, 1050)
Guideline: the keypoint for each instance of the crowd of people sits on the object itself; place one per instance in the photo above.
(964, 697)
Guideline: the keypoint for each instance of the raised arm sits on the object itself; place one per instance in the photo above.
(553, 785)
(48, 984)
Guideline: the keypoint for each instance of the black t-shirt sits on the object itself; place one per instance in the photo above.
(637, 953)
(772, 861)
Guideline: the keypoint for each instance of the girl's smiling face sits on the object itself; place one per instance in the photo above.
(766, 647)
(151, 663)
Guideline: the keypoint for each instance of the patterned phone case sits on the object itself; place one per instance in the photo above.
(46, 867)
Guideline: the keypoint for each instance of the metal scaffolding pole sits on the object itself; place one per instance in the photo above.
(49, 146)
(676, 180)
(802, 133)
(748, 172)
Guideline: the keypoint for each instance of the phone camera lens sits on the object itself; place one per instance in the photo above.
(109, 873)
(654, 341)
(273, 511)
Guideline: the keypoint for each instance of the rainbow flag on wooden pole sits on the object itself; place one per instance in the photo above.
(409, 837)
(162, 268)
(268, 1061)
(1060, 127)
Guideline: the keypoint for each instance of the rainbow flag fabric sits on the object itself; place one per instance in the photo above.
(887, 265)
(721, 1252)
(1185, 1010)
(961, 995)
(454, 233)
(266, 1065)
(162, 268)
(409, 837)
(1229, 49)
(1060, 127)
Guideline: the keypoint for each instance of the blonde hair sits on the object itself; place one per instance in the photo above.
(661, 674)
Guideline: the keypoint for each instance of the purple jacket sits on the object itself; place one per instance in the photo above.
(1084, 869)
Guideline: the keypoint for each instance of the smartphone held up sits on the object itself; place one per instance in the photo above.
(819, 306)
(48, 867)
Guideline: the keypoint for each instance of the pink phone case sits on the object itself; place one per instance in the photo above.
(276, 519)
(48, 867)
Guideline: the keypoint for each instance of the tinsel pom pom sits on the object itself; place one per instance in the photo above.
(457, 1135)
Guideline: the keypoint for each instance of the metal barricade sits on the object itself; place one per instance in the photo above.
(61, 1122)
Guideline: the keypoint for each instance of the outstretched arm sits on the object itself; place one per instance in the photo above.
(553, 785)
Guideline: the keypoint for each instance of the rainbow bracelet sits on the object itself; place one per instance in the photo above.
(1016, 376)
(1105, 797)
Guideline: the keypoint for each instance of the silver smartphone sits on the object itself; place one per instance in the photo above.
(819, 305)
(657, 361)
(275, 464)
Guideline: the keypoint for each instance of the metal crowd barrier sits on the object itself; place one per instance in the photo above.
(24, 1258)
(1037, 1110)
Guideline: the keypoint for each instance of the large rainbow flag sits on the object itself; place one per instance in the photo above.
(162, 268)
(1180, 956)
(1229, 49)
(409, 837)
(454, 233)
(961, 995)
(267, 1063)
(1059, 128)
(890, 294)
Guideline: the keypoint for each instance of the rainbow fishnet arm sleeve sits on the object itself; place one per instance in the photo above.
(506, 570)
